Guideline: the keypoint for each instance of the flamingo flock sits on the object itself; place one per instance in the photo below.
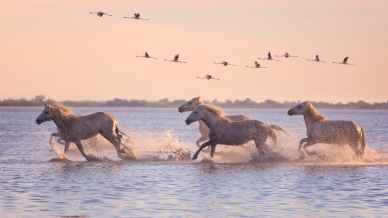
(256, 65)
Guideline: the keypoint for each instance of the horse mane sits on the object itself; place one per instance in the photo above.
(65, 111)
(314, 114)
(213, 109)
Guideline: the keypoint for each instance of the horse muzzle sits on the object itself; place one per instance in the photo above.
(290, 112)
(189, 121)
(181, 110)
(38, 121)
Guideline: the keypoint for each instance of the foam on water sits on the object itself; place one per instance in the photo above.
(145, 146)
(166, 146)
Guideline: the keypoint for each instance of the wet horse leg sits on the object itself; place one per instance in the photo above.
(308, 144)
(81, 149)
(195, 156)
(301, 142)
(201, 139)
(260, 142)
(125, 153)
(212, 149)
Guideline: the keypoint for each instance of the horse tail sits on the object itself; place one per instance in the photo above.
(278, 128)
(119, 132)
(272, 134)
(363, 144)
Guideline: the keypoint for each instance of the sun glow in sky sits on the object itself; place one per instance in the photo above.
(56, 48)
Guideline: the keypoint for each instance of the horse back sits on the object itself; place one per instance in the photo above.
(237, 117)
(97, 122)
(338, 131)
(234, 133)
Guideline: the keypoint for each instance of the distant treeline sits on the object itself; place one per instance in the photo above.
(246, 103)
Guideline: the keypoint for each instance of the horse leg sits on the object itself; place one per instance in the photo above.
(67, 145)
(195, 156)
(81, 149)
(301, 142)
(213, 149)
(201, 139)
(259, 142)
(308, 144)
(125, 153)
(55, 134)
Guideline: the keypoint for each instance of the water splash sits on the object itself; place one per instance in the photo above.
(166, 146)
(145, 146)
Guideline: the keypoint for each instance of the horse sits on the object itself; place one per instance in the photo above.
(203, 129)
(224, 131)
(73, 128)
(321, 130)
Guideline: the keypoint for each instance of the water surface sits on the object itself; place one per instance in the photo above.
(33, 186)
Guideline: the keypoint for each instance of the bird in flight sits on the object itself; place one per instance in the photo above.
(136, 16)
(176, 59)
(316, 59)
(268, 58)
(345, 61)
(287, 55)
(146, 55)
(100, 13)
(256, 64)
(208, 77)
(225, 63)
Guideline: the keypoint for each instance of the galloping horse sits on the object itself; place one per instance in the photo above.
(203, 129)
(73, 129)
(227, 132)
(320, 130)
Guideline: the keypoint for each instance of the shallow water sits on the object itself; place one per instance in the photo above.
(232, 185)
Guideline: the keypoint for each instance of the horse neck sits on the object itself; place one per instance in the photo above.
(63, 121)
(311, 117)
(212, 120)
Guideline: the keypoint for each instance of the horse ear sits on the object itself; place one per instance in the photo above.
(48, 106)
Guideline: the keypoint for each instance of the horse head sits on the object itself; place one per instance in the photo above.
(51, 112)
(301, 109)
(196, 115)
(46, 115)
(190, 105)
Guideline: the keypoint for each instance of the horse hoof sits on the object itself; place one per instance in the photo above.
(92, 158)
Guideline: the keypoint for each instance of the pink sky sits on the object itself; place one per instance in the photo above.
(56, 48)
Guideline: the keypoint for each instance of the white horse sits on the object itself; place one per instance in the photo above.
(73, 129)
(224, 131)
(320, 130)
(203, 129)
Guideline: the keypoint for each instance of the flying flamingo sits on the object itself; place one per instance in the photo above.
(256, 64)
(136, 16)
(175, 59)
(100, 13)
(345, 61)
(316, 59)
(225, 63)
(208, 77)
(268, 58)
(146, 55)
(287, 55)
